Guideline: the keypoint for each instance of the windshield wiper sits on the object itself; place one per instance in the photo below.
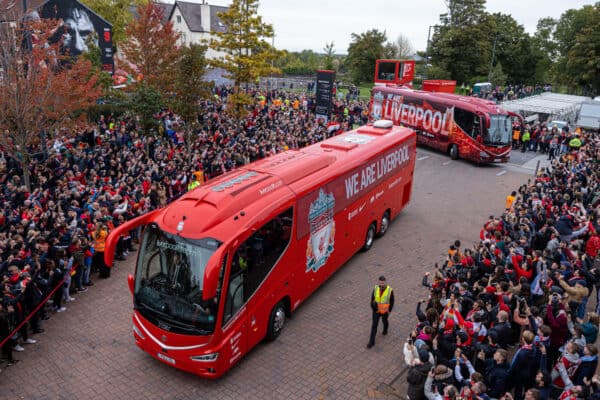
(169, 319)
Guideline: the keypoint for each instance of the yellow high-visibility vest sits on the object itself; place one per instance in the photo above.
(382, 299)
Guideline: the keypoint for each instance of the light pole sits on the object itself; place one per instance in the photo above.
(493, 55)
(427, 50)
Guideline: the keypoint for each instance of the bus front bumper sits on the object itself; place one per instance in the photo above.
(198, 360)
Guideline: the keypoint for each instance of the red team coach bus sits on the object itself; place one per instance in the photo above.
(468, 127)
(219, 269)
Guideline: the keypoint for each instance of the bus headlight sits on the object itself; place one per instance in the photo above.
(483, 154)
(138, 332)
(206, 357)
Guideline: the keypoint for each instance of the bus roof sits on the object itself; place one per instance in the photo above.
(466, 102)
(242, 195)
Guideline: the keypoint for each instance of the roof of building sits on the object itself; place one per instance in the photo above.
(192, 14)
(216, 24)
(167, 9)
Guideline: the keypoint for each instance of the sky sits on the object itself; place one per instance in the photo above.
(311, 24)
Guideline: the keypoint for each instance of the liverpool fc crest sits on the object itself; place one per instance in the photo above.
(322, 231)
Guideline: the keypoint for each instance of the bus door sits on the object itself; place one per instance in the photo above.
(234, 322)
(253, 261)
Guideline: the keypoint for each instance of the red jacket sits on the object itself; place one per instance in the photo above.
(593, 246)
(522, 272)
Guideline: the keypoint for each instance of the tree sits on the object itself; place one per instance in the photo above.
(583, 60)
(578, 47)
(462, 44)
(514, 48)
(402, 47)
(247, 53)
(497, 76)
(40, 88)
(152, 48)
(190, 87)
(146, 101)
(118, 13)
(329, 56)
(544, 49)
(364, 49)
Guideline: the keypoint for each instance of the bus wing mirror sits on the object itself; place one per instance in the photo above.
(131, 282)
(115, 234)
(518, 116)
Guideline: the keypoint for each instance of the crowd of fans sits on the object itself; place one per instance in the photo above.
(510, 318)
(94, 178)
(524, 288)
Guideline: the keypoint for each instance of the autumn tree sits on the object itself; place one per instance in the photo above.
(247, 55)
(41, 88)
(151, 48)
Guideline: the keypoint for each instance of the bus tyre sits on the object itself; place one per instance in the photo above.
(454, 152)
(369, 237)
(276, 321)
(384, 224)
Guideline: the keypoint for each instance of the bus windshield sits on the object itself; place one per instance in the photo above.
(500, 131)
(169, 280)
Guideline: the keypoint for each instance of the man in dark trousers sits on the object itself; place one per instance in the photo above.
(382, 303)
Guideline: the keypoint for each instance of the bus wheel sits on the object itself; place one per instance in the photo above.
(369, 237)
(276, 321)
(454, 152)
(384, 224)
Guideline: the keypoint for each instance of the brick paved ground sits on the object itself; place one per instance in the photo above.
(88, 352)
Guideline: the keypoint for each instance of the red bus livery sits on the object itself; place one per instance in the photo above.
(467, 127)
(219, 269)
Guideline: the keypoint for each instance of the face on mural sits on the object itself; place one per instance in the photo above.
(78, 26)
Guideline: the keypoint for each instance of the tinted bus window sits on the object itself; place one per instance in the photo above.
(254, 259)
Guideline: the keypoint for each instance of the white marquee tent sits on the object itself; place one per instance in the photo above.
(548, 106)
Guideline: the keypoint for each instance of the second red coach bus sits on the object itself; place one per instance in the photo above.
(219, 269)
(467, 127)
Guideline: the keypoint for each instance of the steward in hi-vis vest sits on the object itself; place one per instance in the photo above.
(382, 302)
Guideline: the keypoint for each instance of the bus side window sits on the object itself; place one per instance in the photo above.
(466, 120)
(254, 259)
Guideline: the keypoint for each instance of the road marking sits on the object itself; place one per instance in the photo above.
(501, 173)
(422, 158)
(446, 163)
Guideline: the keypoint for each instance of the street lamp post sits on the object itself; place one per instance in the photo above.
(493, 55)
(427, 50)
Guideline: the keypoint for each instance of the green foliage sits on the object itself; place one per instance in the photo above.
(497, 76)
(189, 84)
(145, 102)
(116, 109)
(93, 55)
(117, 12)
(578, 42)
(364, 49)
(462, 44)
(329, 56)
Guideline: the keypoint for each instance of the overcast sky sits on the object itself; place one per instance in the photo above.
(310, 24)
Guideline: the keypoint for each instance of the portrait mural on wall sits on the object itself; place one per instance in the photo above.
(80, 25)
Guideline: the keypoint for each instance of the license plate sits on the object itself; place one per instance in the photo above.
(498, 160)
(166, 358)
